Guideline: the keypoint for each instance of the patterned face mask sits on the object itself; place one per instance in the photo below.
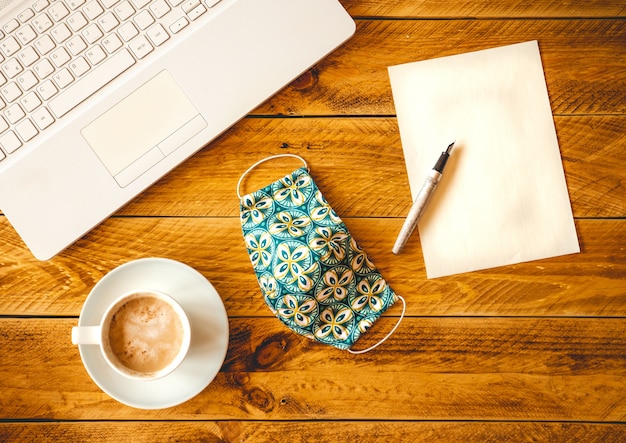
(313, 275)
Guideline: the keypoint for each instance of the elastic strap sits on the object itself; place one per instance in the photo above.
(363, 351)
(272, 157)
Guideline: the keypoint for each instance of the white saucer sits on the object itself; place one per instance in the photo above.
(209, 330)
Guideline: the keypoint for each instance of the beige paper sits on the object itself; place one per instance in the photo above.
(503, 197)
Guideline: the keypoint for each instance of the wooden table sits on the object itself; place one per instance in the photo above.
(531, 352)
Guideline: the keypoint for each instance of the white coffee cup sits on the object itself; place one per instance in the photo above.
(143, 334)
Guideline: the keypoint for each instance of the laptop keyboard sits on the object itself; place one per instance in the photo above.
(56, 53)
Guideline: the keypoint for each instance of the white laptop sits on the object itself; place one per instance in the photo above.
(100, 98)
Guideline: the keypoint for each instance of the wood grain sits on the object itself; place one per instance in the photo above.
(538, 369)
(587, 284)
(313, 431)
(584, 63)
(480, 9)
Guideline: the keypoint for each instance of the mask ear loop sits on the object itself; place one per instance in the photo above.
(363, 351)
(272, 157)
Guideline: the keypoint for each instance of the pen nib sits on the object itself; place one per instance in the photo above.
(450, 147)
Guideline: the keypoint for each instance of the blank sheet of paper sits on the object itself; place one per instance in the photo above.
(503, 197)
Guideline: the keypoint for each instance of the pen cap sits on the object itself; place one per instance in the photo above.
(441, 163)
(443, 158)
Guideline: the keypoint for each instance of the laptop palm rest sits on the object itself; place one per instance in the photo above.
(143, 128)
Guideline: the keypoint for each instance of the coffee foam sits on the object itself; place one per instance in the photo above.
(146, 334)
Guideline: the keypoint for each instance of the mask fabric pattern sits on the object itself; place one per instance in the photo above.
(312, 273)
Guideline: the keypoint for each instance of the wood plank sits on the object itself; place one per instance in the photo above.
(590, 149)
(480, 9)
(584, 63)
(301, 432)
(552, 347)
(590, 283)
(544, 369)
(355, 161)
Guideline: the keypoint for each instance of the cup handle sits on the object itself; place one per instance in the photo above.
(86, 335)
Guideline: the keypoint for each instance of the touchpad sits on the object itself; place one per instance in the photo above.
(143, 128)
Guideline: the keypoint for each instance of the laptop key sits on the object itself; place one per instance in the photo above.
(26, 130)
(158, 35)
(141, 46)
(40, 5)
(74, 4)
(189, 5)
(159, 8)
(10, 92)
(9, 46)
(14, 113)
(62, 78)
(95, 55)
(178, 25)
(47, 89)
(42, 118)
(196, 12)
(44, 45)
(30, 102)
(11, 68)
(10, 142)
(26, 15)
(79, 66)
(91, 83)
(11, 26)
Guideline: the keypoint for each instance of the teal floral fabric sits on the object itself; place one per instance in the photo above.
(313, 275)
